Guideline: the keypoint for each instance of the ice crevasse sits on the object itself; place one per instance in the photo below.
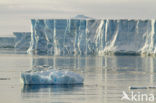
(92, 36)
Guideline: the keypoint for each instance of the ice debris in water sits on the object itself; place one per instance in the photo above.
(51, 76)
(143, 87)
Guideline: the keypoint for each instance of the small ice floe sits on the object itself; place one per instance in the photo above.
(143, 87)
(51, 76)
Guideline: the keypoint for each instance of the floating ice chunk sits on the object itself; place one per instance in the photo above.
(51, 76)
(138, 87)
(143, 87)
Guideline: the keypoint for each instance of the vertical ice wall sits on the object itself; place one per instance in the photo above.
(22, 40)
(92, 36)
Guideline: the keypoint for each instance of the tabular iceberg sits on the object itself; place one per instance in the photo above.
(7, 42)
(92, 36)
(51, 76)
(22, 40)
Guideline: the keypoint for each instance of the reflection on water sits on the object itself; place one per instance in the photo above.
(104, 78)
(114, 63)
(50, 88)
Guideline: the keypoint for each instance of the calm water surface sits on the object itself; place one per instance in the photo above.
(105, 78)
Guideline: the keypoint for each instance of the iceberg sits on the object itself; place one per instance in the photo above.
(22, 40)
(81, 16)
(7, 42)
(51, 76)
(92, 36)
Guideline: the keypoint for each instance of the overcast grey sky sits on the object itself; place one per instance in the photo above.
(15, 14)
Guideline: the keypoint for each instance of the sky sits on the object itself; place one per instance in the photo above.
(15, 15)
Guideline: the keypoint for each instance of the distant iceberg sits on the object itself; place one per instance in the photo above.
(92, 37)
(80, 16)
(7, 42)
(22, 40)
(51, 76)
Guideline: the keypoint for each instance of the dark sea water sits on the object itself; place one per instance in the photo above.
(105, 78)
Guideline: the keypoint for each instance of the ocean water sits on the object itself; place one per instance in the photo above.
(105, 78)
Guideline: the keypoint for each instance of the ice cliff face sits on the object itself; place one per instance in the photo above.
(92, 37)
(22, 40)
(7, 42)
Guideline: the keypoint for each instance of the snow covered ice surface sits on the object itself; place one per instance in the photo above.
(51, 76)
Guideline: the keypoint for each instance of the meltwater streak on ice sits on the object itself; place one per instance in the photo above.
(92, 37)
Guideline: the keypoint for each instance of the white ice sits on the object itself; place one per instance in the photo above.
(92, 36)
